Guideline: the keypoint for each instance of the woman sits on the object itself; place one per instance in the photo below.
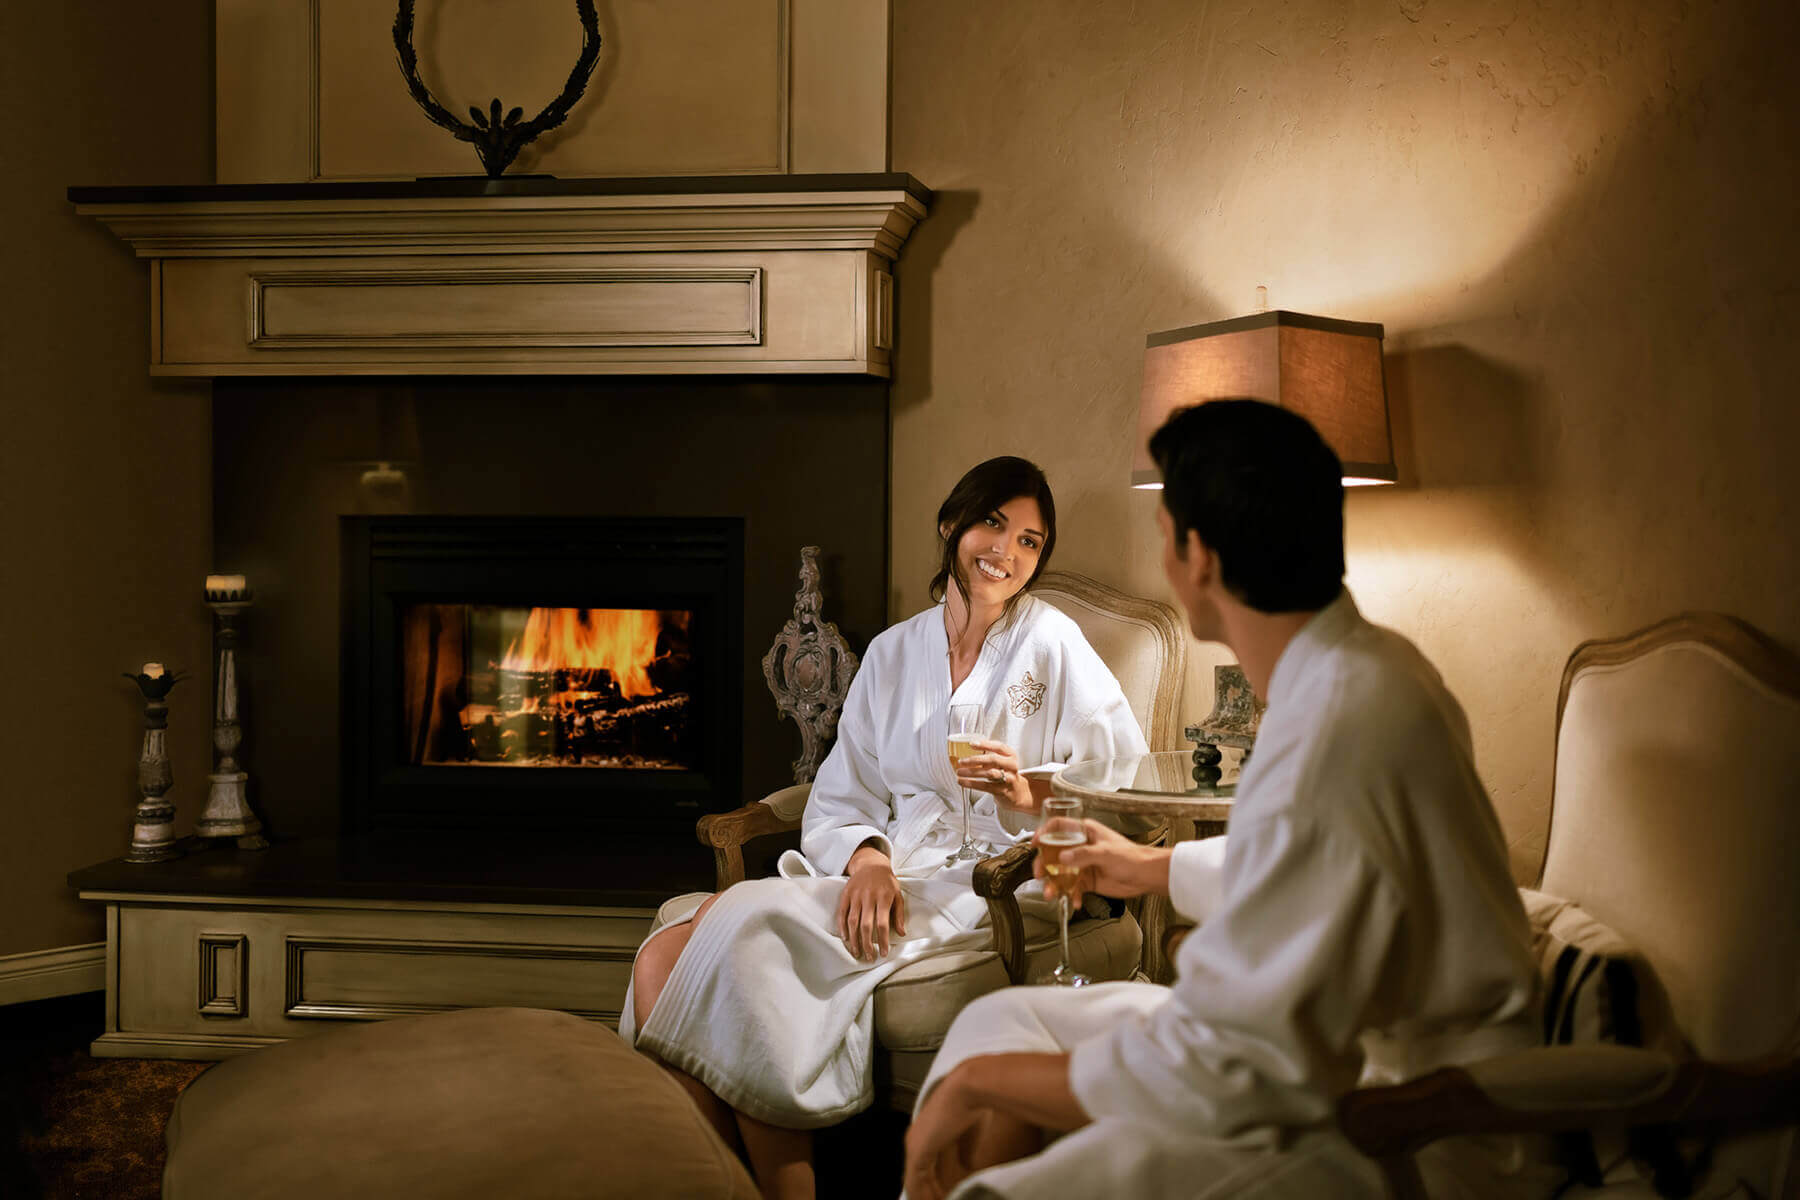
(762, 1004)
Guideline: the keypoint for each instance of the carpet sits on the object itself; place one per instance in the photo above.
(73, 1126)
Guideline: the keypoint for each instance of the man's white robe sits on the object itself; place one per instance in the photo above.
(766, 1006)
(1358, 923)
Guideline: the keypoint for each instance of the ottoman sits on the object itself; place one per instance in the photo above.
(478, 1103)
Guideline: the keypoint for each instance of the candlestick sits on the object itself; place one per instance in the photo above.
(153, 825)
(228, 812)
(227, 587)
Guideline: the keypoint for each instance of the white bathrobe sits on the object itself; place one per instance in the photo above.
(1358, 923)
(766, 1006)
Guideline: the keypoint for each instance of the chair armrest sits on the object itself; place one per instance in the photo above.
(1173, 937)
(1555, 1088)
(725, 833)
(996, 879)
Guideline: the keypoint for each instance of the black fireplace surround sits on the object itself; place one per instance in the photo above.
(691, 565)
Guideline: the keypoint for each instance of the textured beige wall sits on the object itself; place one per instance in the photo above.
(107, 476)
(1577, 221)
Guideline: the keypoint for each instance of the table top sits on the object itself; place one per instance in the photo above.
(1157, 784)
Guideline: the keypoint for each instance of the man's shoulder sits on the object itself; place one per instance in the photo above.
(1377, 678)
(1371, 707)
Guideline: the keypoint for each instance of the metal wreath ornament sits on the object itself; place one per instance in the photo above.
(498, 140)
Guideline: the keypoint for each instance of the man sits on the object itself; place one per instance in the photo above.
(1359, 923)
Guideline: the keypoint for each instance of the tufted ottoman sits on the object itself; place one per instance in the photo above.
(479, 1103)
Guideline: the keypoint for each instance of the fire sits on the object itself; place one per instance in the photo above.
(622, 641)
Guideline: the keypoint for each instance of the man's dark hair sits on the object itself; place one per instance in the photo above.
(981, 491)
(1263, 490)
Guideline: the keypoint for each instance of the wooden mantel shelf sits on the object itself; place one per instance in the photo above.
(717, 274)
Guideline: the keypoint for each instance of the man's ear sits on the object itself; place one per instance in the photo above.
(1200, 561)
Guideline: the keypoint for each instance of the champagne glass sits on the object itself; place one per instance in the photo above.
(1059, 829)
(965, 726)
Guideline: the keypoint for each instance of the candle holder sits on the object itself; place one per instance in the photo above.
(227, 812)
(153, 825)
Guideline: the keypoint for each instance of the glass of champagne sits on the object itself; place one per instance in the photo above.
(1060, 828)
(965, 726)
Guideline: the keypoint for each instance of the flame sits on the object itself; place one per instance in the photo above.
(619, 640)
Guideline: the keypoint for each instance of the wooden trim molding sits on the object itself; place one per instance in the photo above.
(454, 307)
(224, 975)
(783, 275)
(300, 1003)
(58, 971)
(327, 220)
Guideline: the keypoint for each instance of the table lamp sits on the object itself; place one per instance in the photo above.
(1328, 371)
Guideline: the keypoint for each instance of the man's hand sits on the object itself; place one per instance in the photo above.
(934, 1155)
(1109, 863)
(1027, 1090)
(996, 771)
(870, 905)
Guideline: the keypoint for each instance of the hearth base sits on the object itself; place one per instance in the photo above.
(210, 956)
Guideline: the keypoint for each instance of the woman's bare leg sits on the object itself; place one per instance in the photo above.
(649, 975)
(656, 962)
(781, 1159)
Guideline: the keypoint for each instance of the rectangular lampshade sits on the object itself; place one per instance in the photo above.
(1326, 370)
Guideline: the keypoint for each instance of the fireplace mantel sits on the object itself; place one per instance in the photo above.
(718, 274)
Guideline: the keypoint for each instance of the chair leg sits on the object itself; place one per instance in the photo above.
(1404, 1180)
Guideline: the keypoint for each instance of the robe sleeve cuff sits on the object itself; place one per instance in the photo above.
(1197, 877)
(831, 849)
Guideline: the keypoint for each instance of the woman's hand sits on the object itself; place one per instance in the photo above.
(934, 1158)
(1109, 863)
(996, 771)
(871, 904)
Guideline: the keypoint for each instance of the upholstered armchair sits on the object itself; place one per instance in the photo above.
(1676, 824)
(1143, 642)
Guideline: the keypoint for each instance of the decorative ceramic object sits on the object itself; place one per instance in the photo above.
(1232, 722)
(808, 669)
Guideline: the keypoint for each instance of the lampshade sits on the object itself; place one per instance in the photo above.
(1326, 370)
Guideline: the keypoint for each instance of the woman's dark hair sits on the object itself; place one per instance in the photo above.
(1263, 490)
(984, 489)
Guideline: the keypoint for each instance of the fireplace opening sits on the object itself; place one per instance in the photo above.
(494, 686)
(562, 675)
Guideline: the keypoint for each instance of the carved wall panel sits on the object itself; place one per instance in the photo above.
(309, 90)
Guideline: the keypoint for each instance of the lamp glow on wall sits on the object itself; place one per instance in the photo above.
(1328, 371)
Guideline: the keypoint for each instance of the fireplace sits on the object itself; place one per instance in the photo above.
(576, 675)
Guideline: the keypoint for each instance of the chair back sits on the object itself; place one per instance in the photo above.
(1676, 820)
(1142, 641)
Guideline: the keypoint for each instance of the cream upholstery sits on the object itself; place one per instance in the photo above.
(1677, 822)
(1145, 646)
(1141, 640)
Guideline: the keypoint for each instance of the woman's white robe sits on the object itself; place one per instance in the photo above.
(766, 1006)
(1359, 923)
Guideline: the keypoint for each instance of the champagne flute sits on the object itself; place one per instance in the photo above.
(1059, 829)
(965, 726)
